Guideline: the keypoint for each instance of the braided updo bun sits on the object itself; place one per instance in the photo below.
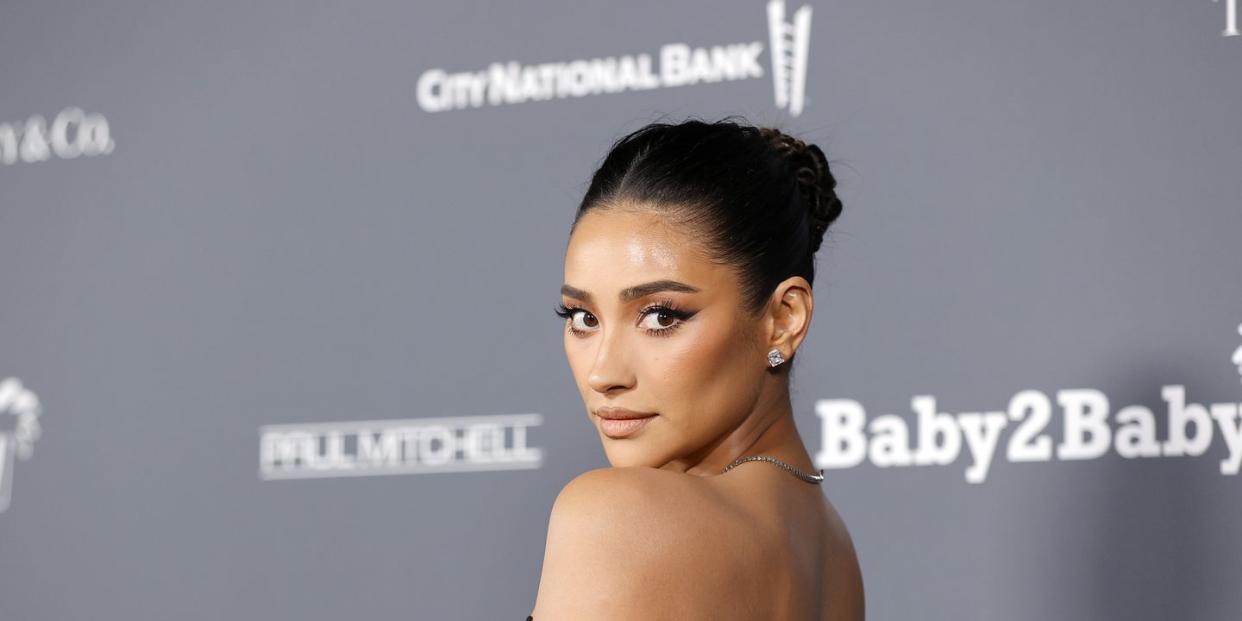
(815, 180)
(759, 199)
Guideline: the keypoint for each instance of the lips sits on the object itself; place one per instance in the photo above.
(620, 423)
(621, 413)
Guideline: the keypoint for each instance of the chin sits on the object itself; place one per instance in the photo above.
(630, 453)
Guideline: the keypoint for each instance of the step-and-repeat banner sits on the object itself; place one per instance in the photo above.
(277, 285)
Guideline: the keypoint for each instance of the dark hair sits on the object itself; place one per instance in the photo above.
(762, 199)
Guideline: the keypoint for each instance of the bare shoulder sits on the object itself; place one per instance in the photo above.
(844, 592)
(638, 500)
(622, 542)
(648, 484)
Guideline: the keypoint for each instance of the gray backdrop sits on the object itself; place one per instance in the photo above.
(222, 217)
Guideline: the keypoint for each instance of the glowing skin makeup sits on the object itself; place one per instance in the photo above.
(653, 326)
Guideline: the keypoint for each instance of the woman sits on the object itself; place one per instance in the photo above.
(687, 293)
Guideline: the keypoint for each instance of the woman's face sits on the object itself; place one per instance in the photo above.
(655, 327)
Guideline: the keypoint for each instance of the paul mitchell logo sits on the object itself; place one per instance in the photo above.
(409, 446)
(18, 403)
(678, 65)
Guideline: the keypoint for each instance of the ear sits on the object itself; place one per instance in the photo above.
(789, 315)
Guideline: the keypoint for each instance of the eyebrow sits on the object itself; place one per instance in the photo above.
(635, 292)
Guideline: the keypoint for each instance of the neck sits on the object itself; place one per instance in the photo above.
(769, 431)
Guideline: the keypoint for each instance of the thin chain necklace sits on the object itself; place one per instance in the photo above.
(809, 478)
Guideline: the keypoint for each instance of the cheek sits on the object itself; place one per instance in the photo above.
(576, 355)
(703, 370)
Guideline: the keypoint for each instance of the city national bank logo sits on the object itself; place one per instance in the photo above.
(1087, 431)
(17, 442)
(410, 446)
(678, 65)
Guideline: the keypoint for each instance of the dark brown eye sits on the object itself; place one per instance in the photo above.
(577, 319)
(582, 321)
(665, 319)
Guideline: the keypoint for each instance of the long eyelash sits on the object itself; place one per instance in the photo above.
(667, 307)
(568, 311)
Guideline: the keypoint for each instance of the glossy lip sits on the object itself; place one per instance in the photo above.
(619, 423)
(620, 413)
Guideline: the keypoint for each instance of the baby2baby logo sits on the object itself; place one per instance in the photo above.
(847, 438)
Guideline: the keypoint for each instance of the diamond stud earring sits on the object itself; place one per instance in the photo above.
(775, 358)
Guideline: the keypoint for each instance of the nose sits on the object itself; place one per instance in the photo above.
(611, 370)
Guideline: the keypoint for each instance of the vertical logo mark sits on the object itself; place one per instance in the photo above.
(791, 42)
(1231, 18)
(6, 470)
(1237, 354)
(19, 402)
